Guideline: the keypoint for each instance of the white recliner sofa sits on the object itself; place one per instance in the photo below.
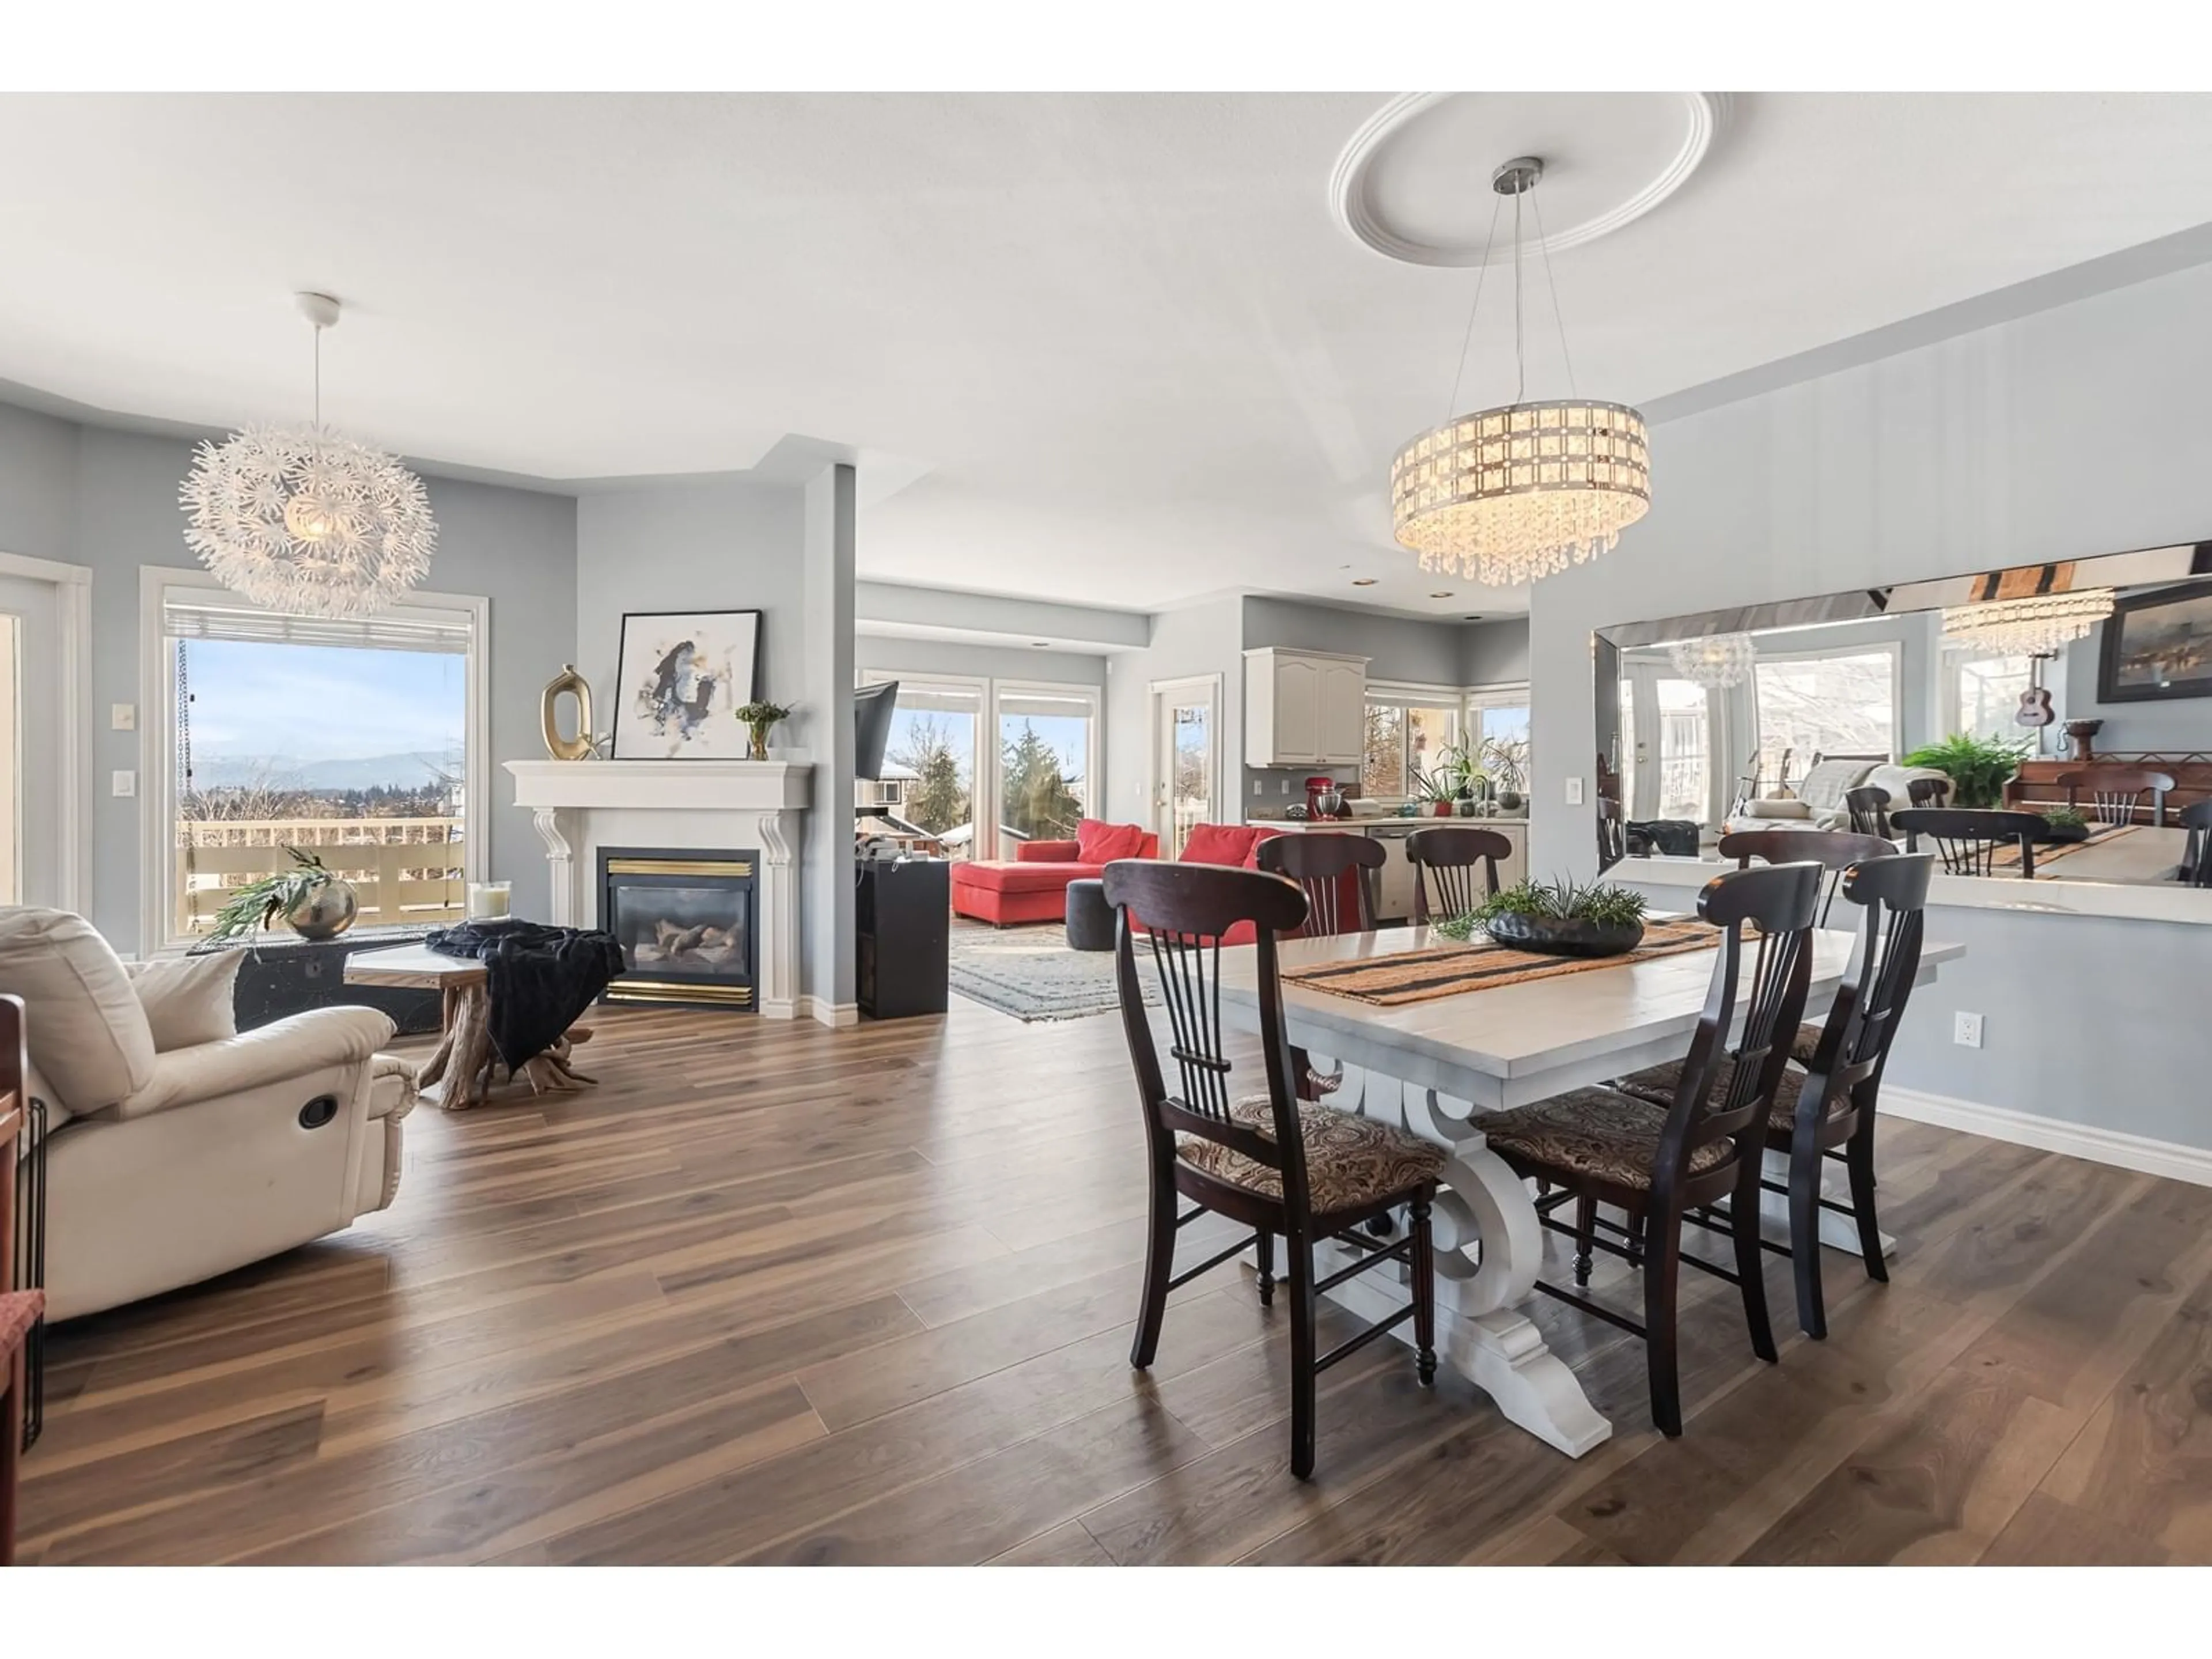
(177, 1148)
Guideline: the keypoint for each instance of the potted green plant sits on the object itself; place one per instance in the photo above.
(1979, 767)
(2068, 825)
(1558, 918)
(760, 719)
(316, 904)
(1506, 760)
(1436, 791)
(1457, 762)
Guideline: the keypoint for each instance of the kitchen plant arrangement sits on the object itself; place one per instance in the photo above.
(760, 719)
(1558, 918)
(315, 903)
(1979, 767)
(1507, 761)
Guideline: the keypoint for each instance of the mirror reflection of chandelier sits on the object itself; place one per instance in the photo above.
(1507, 495)
(1717, 661)
(2027, 624)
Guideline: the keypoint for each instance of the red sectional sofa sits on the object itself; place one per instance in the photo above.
(1032, 886)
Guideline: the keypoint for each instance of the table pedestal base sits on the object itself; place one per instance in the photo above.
(460, 1071)
(1489, 1245)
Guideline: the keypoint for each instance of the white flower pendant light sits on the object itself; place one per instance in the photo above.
(304, 520)
(1508, 494)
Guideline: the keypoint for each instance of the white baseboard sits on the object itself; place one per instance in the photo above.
(836, 1015)
(2138, 1152)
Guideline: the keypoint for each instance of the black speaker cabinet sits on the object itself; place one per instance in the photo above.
(904, 914)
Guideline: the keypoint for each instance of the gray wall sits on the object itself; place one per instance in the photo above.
(827, 973)
(1205, 638)
(107, 499)
(2010, 444)
(1494, 652)
(892, 654)
(2183, 725)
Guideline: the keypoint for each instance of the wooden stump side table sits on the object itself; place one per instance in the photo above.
(460, 1072)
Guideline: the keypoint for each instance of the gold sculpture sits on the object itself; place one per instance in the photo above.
(580, 746)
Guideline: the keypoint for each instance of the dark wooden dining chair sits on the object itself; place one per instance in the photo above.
(20, 1311)
(1968, 839)
(1834, 850)
(1869, 807)
(1333, 869)
(1827, 1113)
(1611, 832)
(1927, 792)
(1336, 872)
(1446, 861)
(2196, 851)
(2116, 793)
(1281, 1166)
(1658, 1161)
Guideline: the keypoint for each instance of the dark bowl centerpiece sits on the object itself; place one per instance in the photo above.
(2066, 825)
(1557, 919)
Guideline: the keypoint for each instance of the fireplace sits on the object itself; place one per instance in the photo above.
(687, 921)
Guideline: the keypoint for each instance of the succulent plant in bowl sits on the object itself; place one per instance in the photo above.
(1558, 918)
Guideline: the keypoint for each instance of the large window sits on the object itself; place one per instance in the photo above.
(1842, 703)
(354, 740)
(981, 763)
(1985, 692)
(1407, 732)
(1498, 725)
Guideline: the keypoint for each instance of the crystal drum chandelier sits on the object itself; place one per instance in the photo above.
(304, 520)
(2034, 624)
(1508, 494)
(1717, 662)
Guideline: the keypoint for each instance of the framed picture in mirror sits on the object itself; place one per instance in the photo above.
(2157, 646)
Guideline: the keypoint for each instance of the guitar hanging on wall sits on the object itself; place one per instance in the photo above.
(2035, 702)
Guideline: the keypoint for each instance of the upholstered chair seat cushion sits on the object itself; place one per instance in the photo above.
(1604, 1132)
(84, 1023)
(1657, 1083)
(19, 1311)
(1351, 1162)
(1807, 1043)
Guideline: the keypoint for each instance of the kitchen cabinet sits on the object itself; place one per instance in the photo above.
(1304, 708)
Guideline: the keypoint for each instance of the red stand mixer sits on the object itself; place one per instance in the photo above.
(1324, 798)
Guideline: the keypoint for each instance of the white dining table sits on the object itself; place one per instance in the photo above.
(1438, 1066)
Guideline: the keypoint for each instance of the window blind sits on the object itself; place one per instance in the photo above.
(208, 614)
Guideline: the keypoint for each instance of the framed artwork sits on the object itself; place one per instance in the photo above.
(2158, 645)
(684, 676)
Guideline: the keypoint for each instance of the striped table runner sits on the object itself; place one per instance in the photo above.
(1445, 970)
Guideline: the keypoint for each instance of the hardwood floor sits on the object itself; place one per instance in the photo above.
(774, 1293)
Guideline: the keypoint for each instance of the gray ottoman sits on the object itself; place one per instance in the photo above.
(1090, 918)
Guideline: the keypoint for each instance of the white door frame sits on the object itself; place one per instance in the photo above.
(72, 585)
(1155, 690)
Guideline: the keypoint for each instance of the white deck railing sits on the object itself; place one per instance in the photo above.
(402, 870)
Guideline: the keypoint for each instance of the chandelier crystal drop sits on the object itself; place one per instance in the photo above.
(1717, 662)
(304, 520)
(1509, 495)
(2034, 624)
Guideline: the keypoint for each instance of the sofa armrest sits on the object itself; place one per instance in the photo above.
(1045, 851)
(300, 1046)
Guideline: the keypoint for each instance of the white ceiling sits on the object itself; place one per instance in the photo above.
(1122, 340)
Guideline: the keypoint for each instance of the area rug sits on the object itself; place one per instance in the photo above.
(1029, 972)
(1447, 970)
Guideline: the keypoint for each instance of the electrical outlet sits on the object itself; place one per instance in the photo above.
(1259, 785)
(123, 717)
(125, 784)
(1966, 1030)
(1574, 791)
(1286, 786)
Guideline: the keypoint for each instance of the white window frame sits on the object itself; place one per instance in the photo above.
(984, 797)
(157, 726)
(1413, 694)
(1952, 709)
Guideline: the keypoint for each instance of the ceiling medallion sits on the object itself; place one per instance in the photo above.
(1509, 495)
(2034, 624)
(1718, 662)
(304, 520)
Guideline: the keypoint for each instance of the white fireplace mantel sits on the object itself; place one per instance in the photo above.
(580, 807)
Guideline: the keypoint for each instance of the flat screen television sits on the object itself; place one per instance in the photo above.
(872, 727)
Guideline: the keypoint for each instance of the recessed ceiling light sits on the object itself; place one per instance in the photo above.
(1041, 645)
(1470, 619)
(1362, 581)
(1444, 595)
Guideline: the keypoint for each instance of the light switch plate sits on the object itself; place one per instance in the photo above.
(1574, 791)
(125, 784)
(123, 717)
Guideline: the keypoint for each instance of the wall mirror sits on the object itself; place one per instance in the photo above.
(2049, 723)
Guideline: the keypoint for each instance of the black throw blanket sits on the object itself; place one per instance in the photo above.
(540, 978)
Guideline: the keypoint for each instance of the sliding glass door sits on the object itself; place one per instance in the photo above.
(1046, 742)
